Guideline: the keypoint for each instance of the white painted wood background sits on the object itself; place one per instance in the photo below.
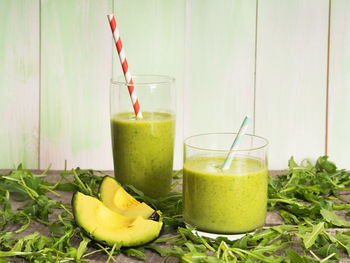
(274, 60)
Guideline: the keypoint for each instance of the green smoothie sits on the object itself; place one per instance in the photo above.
(224, 201)
(143, 150)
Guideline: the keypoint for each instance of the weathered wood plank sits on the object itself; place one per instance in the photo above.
(291, 78)
(76, 64)
(19, 83)
(219, 63)
(272, 219)
(339, 84)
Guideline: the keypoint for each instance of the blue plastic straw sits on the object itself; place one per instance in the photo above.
(236, 143)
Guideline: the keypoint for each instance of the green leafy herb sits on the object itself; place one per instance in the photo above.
(307, 197)
(310, 238)
(333, 219)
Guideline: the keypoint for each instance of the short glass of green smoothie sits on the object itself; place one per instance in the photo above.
(224, 202)
(143, 148)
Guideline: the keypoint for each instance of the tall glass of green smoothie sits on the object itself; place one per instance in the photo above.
(229, 201)
(143, 148)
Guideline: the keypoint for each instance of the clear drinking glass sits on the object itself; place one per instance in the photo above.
(228, 201)
(143, 149)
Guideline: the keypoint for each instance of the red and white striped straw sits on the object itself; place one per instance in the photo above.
(124, 63)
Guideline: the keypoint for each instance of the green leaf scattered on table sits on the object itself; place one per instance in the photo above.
(309, 239)
(332, 218)
(307, 197)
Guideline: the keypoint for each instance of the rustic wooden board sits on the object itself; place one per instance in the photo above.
(76, 66)
(152, 33)
(219, 64)
(19, 83)
(339, 84)
(272, 219)
(291, 78)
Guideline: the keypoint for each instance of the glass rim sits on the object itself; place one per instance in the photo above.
(120, 80)
(265, 142)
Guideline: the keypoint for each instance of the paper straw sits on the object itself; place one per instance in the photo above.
(124, 63)
(236, 143)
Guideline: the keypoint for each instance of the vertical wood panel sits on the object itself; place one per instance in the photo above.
(152, 33)
(19, 83)
(339, 84)
(291, 78)
(215, 48)
(219, 88)
(76, 64)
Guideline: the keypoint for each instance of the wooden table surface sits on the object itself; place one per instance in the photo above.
(272, 219)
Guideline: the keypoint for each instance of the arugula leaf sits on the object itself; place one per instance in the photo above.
(331, 217)
(40, 208)
(294, 257)
(344, 240)
(329, 249)
(310, 238)
(133, 252)
(305, 197)
(322, 164)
